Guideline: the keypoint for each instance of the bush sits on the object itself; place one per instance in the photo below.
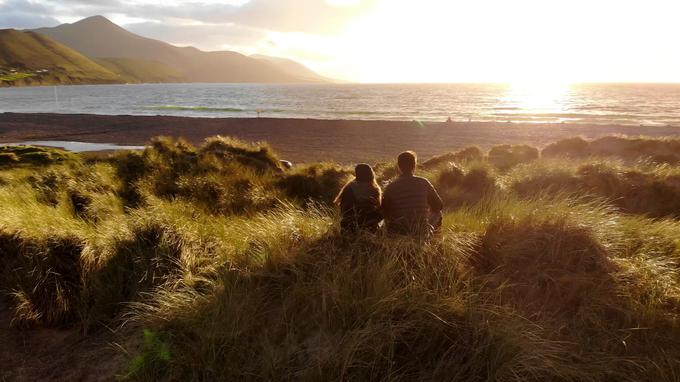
(10, 155)
(571, 147)
(8, 159)
(505, 157)
(468, 154)
(632, 190)
(630, 149)
(44, 276)
(550, 268)
(259, 157)
(316, 182)
(562, 270)
(134, 265)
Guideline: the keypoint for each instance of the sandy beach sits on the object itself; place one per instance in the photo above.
(306, 140)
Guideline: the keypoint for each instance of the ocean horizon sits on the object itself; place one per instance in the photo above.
(619, 104)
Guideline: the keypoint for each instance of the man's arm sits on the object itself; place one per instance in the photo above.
(433, 199)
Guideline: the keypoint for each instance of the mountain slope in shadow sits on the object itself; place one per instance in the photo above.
(99, 38)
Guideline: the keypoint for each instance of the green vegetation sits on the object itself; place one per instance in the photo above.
(32, 155)
(553, 266)
(16, 76)
(37, 59)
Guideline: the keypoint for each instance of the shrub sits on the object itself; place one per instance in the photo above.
(460, 186)
(473, 153)
(316, 182)
(34, 155)
(451, 176)
(550, 268)
(630, 149)
(571, 147)
(44, 275)
(130, 167)
(505, 157)
(8, 159)
(148, 258)
(259, 157)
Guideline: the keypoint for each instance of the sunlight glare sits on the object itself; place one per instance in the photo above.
(536, 98)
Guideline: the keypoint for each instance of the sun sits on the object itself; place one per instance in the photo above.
(537, 97)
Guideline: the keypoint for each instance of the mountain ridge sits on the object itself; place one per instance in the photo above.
(99, 38)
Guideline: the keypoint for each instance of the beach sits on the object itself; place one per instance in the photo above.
(308, 140)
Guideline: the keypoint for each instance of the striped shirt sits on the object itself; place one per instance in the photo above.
(408, 202)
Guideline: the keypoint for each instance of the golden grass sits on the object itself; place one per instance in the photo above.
(229, 268)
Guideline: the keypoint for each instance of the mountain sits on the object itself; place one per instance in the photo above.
(292, 68)
(29, 58)
(131, 70)
(99, 38)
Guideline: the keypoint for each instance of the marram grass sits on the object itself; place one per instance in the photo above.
(214, 263)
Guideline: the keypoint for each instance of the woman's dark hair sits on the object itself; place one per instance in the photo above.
(363, 173)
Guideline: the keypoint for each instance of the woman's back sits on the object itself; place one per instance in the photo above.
(360, 206)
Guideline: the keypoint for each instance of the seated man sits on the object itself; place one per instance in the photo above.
(411, 205)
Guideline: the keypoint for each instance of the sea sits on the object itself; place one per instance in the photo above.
(620, 104)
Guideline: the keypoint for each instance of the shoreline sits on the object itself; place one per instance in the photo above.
(308, 140)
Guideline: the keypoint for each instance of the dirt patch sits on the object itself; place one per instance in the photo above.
(41, 354)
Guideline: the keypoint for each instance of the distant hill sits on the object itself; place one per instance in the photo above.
(132, 70)
(29, 58)
(123, 51)
(292, 68)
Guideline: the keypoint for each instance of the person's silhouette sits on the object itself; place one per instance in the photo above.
(411, 205)
(359, 201)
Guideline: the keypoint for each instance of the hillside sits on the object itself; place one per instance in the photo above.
(31, 58)
(215, 263)
(132, 70)
(97, 37)
(292, 68)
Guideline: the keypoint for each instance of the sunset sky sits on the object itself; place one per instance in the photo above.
(557, 41)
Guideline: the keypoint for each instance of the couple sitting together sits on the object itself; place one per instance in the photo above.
(410, 205)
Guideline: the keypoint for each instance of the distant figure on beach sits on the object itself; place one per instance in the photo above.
(359, 201)
(411, 205)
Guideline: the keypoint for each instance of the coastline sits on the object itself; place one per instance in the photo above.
(308, 140)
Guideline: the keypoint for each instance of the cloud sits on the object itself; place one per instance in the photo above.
(308, 16)
(23, 14)
(203, 36)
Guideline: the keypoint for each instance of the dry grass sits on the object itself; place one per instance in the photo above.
(218, 265)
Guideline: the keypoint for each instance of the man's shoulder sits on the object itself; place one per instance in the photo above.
(409, 181)
(422, 181)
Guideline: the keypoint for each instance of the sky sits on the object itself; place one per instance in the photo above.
(376, 41)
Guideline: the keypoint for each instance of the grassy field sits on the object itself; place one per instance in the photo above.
(214, 263)
(15, 76)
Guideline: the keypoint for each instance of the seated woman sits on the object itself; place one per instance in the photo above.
(359, 201)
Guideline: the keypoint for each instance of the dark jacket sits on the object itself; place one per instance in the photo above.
(360, 207)
(408, 203)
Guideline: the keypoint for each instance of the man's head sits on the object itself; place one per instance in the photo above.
(407, 162)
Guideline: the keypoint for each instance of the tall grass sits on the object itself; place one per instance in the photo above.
(216, 264)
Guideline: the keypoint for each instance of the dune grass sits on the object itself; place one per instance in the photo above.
(214, 263)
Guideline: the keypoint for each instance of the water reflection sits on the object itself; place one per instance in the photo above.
(76, 146)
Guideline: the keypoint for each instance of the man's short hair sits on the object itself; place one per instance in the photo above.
(407, 162)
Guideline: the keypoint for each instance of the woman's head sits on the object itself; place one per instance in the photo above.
(364, 173)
